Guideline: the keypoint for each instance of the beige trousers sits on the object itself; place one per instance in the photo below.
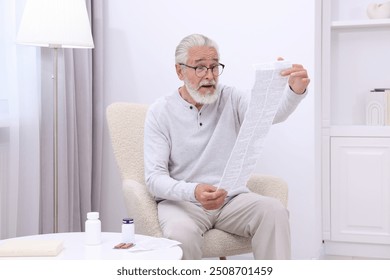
(263, 218)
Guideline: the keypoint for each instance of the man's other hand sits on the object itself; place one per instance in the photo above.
(298, 78)
(209, 197)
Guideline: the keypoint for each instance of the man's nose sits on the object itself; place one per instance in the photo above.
(209, 74)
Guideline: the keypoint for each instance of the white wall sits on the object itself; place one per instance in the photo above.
(140, 39)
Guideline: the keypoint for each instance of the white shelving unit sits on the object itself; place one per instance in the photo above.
(368, 23)
(353, 58)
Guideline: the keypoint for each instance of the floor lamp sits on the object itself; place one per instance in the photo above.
(55, 24)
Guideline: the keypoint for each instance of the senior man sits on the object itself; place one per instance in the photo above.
(189, 136)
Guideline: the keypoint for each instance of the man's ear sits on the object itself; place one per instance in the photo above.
(179, 72)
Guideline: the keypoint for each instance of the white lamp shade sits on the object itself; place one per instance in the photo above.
(55, 23)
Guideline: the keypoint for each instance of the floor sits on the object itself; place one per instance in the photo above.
(330, 257)
(324, 257)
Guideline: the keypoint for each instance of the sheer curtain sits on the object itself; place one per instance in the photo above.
(19, 132)
(26, 184)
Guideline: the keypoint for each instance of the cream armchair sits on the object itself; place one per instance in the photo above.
(126, 128)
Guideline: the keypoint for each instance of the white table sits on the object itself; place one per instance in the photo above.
(75, 248)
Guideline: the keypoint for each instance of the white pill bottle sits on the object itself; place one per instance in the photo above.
(93, 229)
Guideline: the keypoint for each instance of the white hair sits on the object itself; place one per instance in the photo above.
(193, 40)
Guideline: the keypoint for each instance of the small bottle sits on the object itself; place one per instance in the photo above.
(93, 229)
(128, 230)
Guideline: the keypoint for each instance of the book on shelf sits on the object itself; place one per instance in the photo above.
(378, 107)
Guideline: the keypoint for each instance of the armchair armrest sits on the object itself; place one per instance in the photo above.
(269, 186)
(142, 207)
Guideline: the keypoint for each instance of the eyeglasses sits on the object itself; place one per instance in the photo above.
(201, 71)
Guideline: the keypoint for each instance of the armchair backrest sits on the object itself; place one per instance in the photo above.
(126, 127)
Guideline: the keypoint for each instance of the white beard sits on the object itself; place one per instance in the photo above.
(207, 98)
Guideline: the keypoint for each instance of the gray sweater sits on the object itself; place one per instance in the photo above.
(185, 146)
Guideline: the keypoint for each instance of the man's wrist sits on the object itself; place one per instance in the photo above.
(297, 92)
(196, 186)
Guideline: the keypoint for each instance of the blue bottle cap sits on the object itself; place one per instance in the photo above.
(127, 221)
